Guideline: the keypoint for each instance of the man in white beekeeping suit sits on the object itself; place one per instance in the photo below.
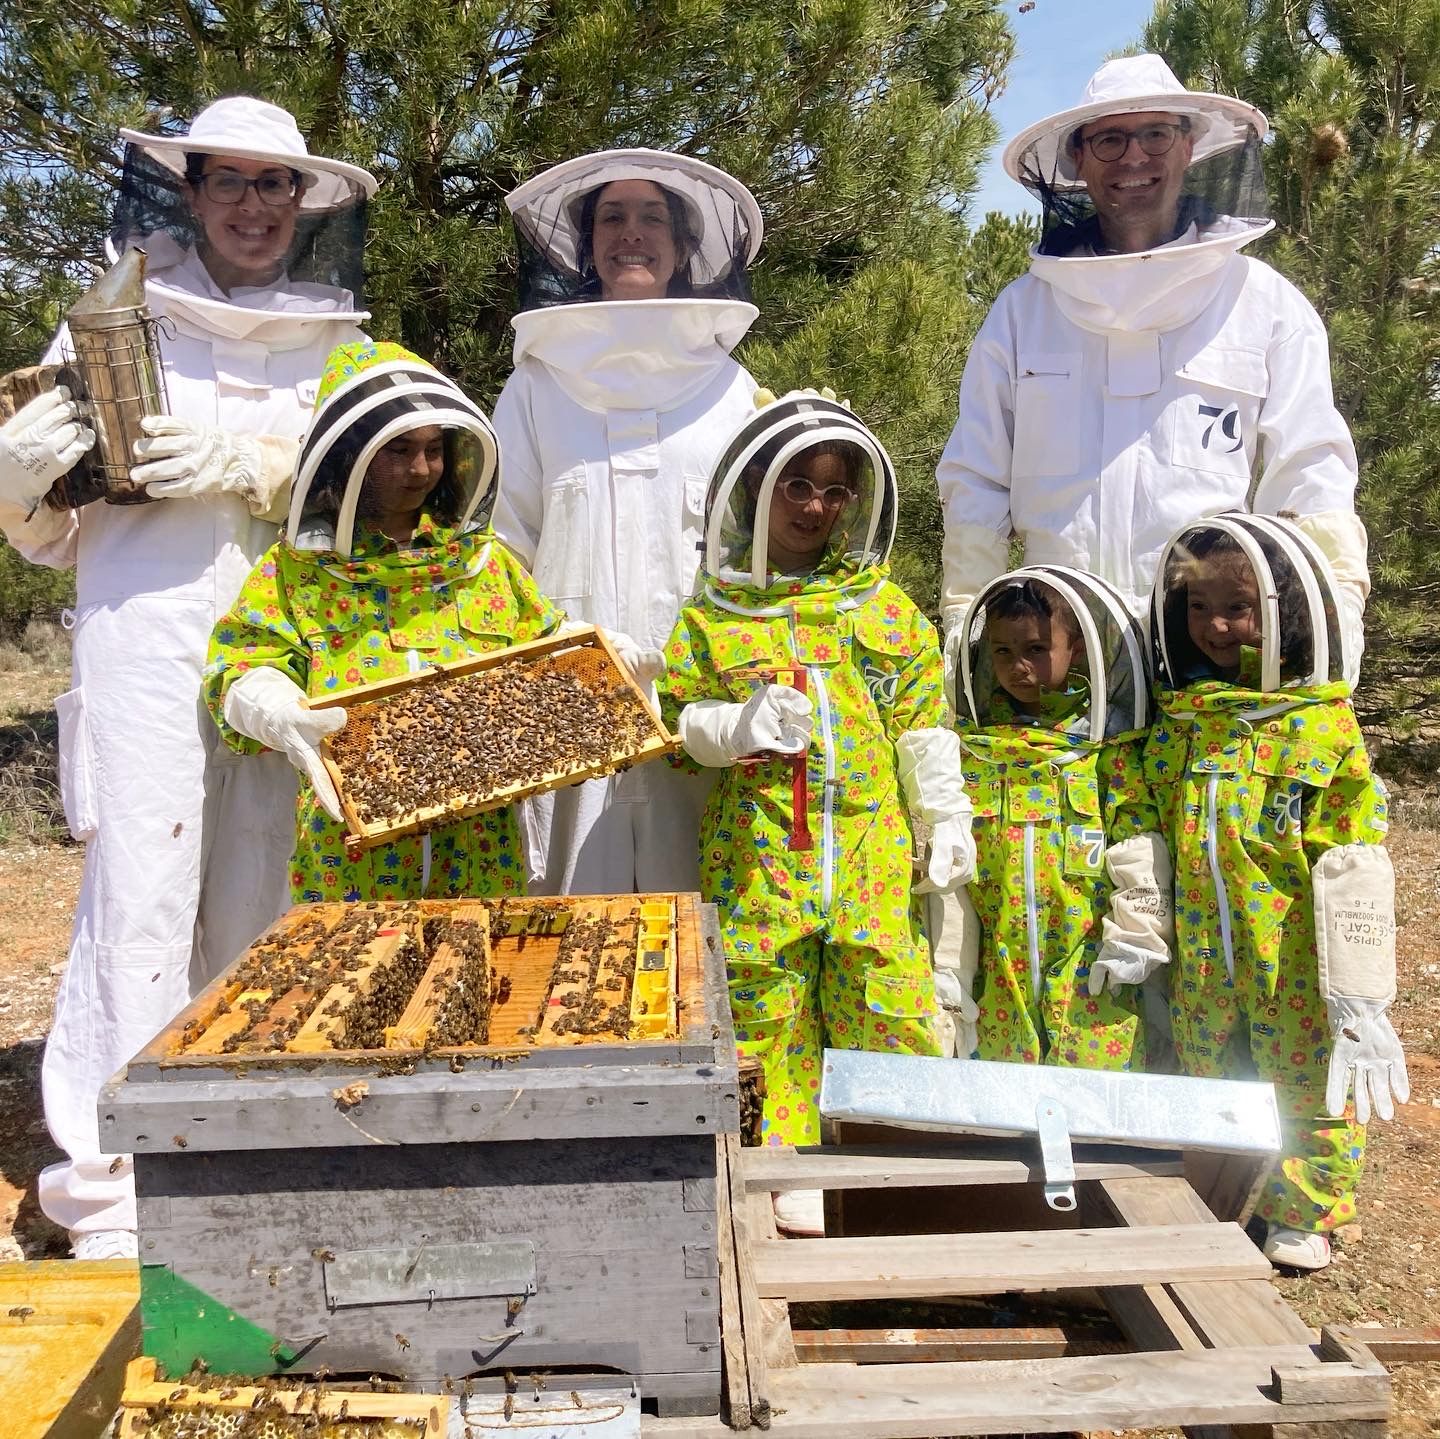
(254, 249)
(1144, 372)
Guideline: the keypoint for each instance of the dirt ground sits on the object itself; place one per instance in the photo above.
(1387, 1268)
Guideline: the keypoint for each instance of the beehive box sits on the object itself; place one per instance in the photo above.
(537, 1194)
(454, 740)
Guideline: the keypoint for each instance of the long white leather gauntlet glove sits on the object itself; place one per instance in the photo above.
(954, 930)
(270, 707)
(1139, 931)
(38, 444)
(928, 761)
(647, 665)
(776, 719)
(179, 460)
(1355, 946)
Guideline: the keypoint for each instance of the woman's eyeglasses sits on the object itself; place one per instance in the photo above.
(800, 492)
(228, 187)
(1157, 139)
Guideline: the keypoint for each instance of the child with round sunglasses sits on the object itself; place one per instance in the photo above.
(815, 688)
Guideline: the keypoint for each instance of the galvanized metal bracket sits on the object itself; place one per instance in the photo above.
(424, 1273)
(1056, 1156)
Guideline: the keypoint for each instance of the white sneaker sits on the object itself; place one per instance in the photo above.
(105, 1244)
(801, 1213)
(1297, 1248)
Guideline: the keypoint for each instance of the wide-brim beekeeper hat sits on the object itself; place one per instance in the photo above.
(245, 128)
(724, 217)
(1132, 85)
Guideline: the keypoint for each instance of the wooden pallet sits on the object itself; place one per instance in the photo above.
(1210, 1343)
(599, 656)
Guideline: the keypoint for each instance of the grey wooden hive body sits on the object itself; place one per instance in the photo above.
(536, 1210)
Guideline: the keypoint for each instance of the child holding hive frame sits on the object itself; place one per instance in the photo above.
(813, 684)
(1285, 894)
(388, 563)
(1071, 892)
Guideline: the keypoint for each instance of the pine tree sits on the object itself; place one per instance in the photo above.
(859, 124)
(1352, 91)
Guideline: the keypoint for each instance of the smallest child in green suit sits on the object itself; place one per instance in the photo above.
(1072, 879)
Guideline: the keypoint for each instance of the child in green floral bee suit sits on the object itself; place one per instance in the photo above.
(1071, 886)
(1285, 897)
(388, 564)
(816, 688)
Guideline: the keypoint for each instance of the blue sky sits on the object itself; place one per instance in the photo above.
(1059, 45)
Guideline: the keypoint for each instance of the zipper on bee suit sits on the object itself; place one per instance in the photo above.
(1032, 931)
(827, 745)
(415, 664)
(1213, 846)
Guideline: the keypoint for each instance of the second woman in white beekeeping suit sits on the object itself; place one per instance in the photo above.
(633, 293)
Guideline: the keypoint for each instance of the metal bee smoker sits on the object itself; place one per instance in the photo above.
(116, 379)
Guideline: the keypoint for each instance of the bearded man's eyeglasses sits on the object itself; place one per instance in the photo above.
(1107, 146)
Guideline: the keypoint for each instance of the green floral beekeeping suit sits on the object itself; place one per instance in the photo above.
(1252, 789)
(824, 947)
(1046, 806)
(331, 625)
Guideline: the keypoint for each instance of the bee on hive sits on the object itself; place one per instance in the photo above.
(388, 564)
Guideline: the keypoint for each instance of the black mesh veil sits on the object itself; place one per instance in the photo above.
(328, 248)
(714, 222)
(1223, 193)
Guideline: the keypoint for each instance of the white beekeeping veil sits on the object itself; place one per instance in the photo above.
(1109, 672)
(1302, 641)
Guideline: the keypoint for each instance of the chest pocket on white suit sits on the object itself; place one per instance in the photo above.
(1047, 414)
(562, 558)
(1214, 418)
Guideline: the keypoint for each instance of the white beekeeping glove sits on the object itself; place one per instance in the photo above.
(179, 460)
(928, 761)
(39, 443)
(776, 719)
(954, 930)
(1355, 947)
(647, 665)
(270, 707)
(1139, 931)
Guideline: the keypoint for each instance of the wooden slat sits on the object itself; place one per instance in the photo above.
(752, 1324)
(774, 1313)
(1110, 1392)
(1394, 1346)
(898, 1166)
(1227, 1314)
(918, 1266)
(926, 1346)
(732, 1345)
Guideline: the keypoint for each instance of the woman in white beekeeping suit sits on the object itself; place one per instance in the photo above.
(633, 292)
(1145, 370)
(254, 250)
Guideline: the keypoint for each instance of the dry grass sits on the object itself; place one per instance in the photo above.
(32, 673)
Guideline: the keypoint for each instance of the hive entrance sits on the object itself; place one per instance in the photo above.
(434, 976)
(434, 747)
